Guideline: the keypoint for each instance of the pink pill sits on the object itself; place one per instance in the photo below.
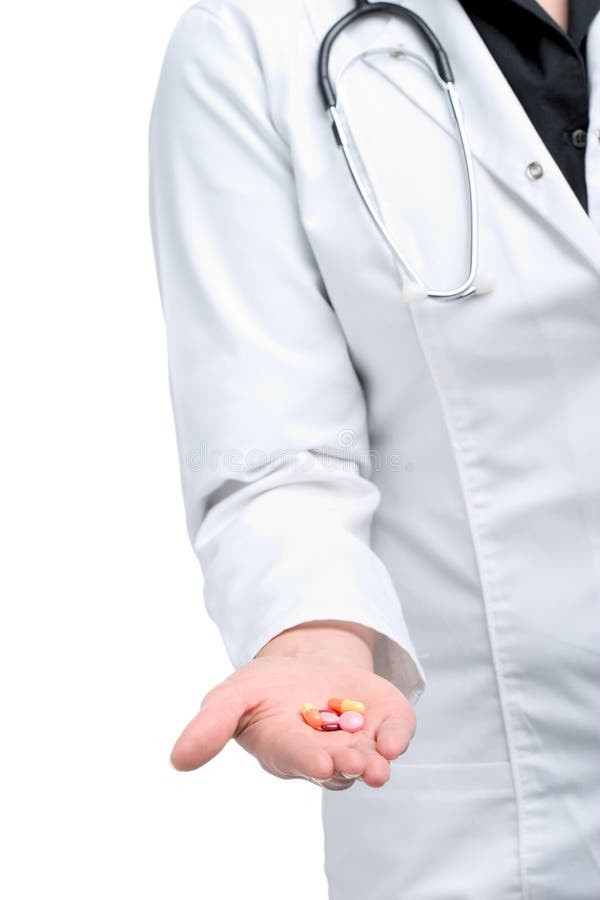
(329, 717)
(330, 726)
(351, 721)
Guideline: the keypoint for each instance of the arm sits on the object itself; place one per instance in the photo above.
(262, 386)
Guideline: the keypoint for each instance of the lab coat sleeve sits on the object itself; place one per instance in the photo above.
(269, 413)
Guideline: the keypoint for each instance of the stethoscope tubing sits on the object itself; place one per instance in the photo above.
(360, 12)
(446, 79)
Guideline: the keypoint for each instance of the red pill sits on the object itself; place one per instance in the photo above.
(329, 717)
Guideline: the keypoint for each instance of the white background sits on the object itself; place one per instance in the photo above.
(105, 646)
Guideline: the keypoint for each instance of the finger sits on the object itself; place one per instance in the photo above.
(377, 771)
(210, 729)
(393, 736)
(293, 754)
(352, 764)
(349, 762)
(337, 782)
(364, 762)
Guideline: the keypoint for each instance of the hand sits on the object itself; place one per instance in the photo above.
(259, 705)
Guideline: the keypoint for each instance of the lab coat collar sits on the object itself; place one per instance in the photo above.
(501, 135)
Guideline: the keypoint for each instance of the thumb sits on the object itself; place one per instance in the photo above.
(210, 729)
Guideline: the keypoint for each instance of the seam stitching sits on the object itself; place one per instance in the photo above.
(487, 593)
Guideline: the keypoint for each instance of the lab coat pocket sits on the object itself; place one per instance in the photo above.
(433, 832)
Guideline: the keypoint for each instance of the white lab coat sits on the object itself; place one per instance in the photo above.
(431, 470)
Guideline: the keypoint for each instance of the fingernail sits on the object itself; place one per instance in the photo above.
(346, 775)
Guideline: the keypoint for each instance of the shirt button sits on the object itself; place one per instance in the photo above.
(534, 170)
(579, 137)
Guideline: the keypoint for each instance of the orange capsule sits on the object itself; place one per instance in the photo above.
(311, 715)
(353, 706)
(341, 705)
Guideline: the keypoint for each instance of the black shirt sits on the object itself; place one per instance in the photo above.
(546, 69)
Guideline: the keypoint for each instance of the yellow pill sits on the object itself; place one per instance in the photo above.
(311, 715)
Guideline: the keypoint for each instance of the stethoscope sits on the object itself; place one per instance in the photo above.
(445, 78)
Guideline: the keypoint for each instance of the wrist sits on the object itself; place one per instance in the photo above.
(334, 640)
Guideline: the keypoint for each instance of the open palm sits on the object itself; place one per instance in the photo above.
(259, 705)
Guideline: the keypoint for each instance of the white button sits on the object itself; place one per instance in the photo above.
(534, 170)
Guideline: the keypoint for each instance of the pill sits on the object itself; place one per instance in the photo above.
(341, 705)
(329, 716)
(351, 721)
(352, 706)
(330, 726)
(311, 715)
